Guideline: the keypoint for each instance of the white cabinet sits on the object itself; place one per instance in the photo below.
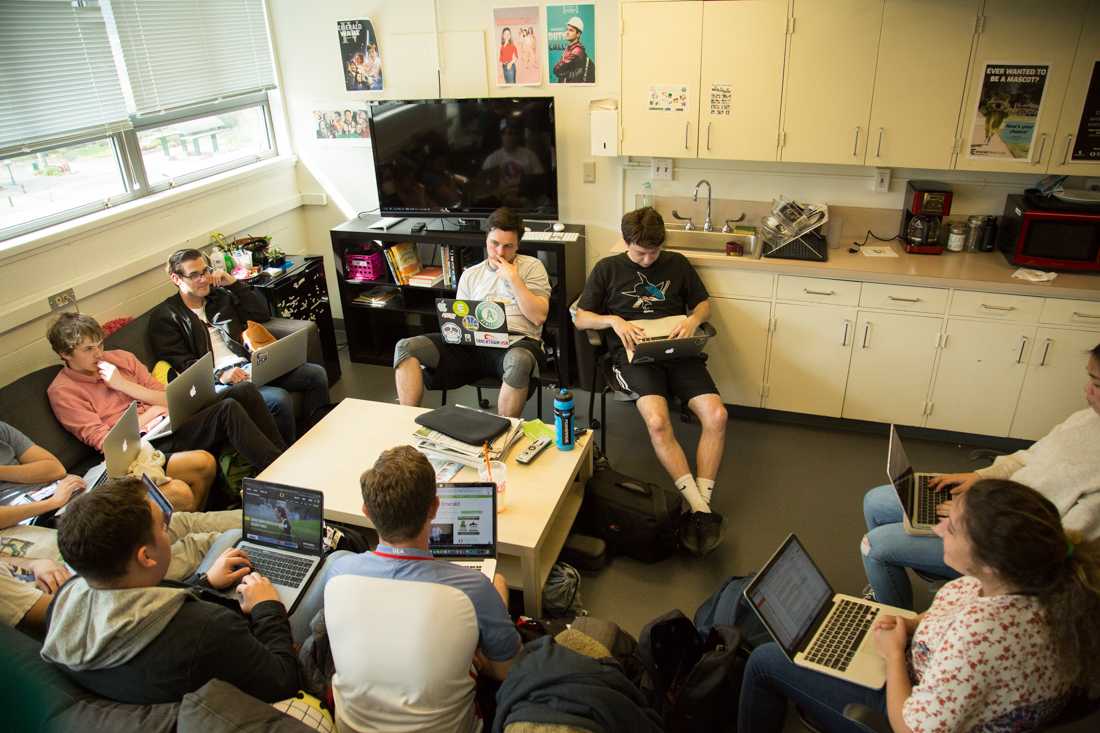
(919, 79)
(736, 355)
(659, 42)
(981, 370)
(829, 80)
(891, 368)
(1021, 32)
(1085, 66)
(1055, 383)
(743, 45)
(810, 350)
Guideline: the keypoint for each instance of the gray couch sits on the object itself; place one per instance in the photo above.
(24, 405)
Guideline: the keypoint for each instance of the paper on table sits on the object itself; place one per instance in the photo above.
(535, 429)
(445, 470)
(1035, 276)
(878, 251)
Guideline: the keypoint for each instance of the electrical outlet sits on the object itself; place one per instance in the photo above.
(882, 180)
(660, 169)
(589, 167)
(1092, 184)
(62, 300)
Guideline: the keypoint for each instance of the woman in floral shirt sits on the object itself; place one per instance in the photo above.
(1000, 649)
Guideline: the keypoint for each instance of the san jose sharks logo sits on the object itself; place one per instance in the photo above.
(646, 293)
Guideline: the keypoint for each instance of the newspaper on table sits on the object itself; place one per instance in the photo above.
(435, 444)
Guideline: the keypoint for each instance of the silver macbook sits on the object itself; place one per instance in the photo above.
(189, 393)
(282, 531)
(464, 530)
(657, 346)
(918, 499)
(275, 360)
(121, 446)
(815, 627)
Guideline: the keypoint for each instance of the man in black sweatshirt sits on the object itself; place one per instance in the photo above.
(123, 632)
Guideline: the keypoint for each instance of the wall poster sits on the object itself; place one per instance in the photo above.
(571, 43)
(1007, 115)
(348, 123)
(667, 98)
(721, 99)
(517, 46)
(1086, 146)
(360, 56)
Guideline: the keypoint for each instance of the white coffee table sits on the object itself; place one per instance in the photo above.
(542, 498)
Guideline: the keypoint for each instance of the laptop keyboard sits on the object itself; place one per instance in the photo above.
(280, 569)
(926, 505)
(474, 565)
(842, 634)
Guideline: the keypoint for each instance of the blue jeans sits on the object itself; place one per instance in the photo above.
(888, 550)
(309, 379)
(509, 73)
(771, 680)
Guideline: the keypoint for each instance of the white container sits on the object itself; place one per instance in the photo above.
(956, 239)
(603, 116)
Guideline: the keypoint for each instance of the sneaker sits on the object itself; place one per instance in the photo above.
(701, 532)
(868, 593)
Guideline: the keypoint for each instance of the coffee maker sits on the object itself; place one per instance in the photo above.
(926, 203)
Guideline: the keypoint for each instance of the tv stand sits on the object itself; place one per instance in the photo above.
(471, 225)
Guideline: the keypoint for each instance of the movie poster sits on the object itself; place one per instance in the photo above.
(360, 56)
(1086, 145)
(1008, 112)
(571, 43)
(348, 123)
(517, 50)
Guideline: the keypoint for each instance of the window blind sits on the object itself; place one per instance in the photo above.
(58, 79)
(182, 54)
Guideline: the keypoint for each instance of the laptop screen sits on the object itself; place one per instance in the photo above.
(900, 471)
(788, 594)
(465, 525)
(284, 517)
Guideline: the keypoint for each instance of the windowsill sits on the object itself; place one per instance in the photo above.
(42, 238)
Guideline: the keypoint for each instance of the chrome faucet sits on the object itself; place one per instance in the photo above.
(707, 227)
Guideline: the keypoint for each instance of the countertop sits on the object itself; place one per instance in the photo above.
(982, 271)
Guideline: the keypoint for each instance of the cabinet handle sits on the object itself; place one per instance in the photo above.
(866, 333)
(1078, 314)
(1023, 345)
(807, 291)
(903, 300)
(844, 338)
(687, 126)
(708, 136)
(1069, 144)
(878, 148)
(998, 307)
(855, 144)
(1042, 147)
(1046, 350)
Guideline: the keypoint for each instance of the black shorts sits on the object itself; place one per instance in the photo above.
(683, 378)
(460, 364)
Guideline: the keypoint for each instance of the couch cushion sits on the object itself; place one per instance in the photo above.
(24, 404)
(219, 706)
(33, 691)
(134, 337)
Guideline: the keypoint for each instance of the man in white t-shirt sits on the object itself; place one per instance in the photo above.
(522, 287)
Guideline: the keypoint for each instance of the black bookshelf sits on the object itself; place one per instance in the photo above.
(372, 331)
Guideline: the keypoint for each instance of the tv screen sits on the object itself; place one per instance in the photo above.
(465, 157)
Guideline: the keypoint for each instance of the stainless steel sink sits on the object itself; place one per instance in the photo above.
(712, 242)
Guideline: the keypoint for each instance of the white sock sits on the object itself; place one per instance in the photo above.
(706, 488)
(688, 489)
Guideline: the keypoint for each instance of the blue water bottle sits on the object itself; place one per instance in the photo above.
(563, 419)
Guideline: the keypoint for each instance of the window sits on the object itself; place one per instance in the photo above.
(154, 94)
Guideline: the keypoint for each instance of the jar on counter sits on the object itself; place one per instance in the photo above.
(989, 234)
(956, 237)
(975, 227)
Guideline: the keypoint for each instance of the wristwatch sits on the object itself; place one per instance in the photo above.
(203, 581)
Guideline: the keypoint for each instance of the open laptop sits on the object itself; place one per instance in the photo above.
(815, 627)
(464, 530)
(187, 394)
(282, 532)
(275, 360)
(657, 346)
(918, 499)
(474, 323)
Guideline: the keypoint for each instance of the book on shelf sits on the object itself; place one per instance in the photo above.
(429, 277)
(445, 257)
(406, 261)
(392, 265)
(378, 296)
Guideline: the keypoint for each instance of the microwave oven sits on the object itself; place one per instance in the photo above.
(1048, 239)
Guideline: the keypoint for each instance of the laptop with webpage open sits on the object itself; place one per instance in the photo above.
(918, 499)
(474, 323)
(815, 627)
(187, 394)
(282, 531)
(464, 530)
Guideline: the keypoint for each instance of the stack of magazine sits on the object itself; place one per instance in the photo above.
(437, 445)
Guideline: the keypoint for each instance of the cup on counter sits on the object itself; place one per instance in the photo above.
(500, 478)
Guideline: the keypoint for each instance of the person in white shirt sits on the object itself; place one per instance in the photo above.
(1063, 466)
(519, 283)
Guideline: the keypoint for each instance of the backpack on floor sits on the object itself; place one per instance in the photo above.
(634, 517)
(728, 607)
(693, 682)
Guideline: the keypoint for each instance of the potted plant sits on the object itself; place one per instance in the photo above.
(275, 257)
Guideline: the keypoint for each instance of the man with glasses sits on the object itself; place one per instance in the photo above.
(210, 314)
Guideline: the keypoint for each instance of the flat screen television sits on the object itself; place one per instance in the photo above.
(465, 157)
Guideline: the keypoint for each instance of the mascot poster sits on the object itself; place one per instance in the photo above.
(1007, 116)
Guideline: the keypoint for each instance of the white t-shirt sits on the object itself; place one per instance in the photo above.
(222, 355)
(482, 282)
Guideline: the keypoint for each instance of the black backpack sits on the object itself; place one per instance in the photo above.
(693, 683)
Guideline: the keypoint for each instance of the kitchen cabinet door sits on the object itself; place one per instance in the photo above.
(1054, 387)
(919, 82)
(810, 350)
(659, 96)
(1020, 33)
(743, 45)
(981, 371)
(829, 80)
(1086, 71)
(735, 357)
(891, 370)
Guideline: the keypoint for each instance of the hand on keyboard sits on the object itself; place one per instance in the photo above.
(255, 589)
(230, 567)
(943, 509)
(958, 482)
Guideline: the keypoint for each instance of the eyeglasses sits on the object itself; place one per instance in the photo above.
(192, 276)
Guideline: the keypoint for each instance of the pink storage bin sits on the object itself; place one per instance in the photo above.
(365, 266)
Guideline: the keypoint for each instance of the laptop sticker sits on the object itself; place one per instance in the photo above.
(452, 334)
(461, 308)
(489, 314)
